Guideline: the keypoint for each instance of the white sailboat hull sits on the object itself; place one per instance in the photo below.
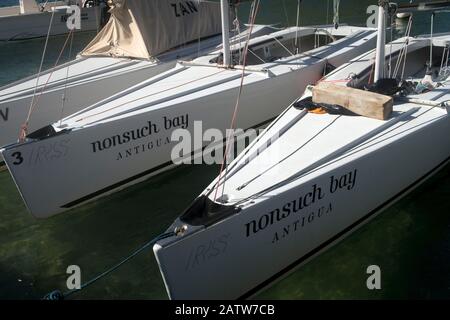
(35, 25)
(204, 264)
(67, 163)
(81, 83)
(90, 87)
(307, 181)
(98, 158)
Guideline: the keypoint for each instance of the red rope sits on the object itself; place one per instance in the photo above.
(24, 127)
(236, 108)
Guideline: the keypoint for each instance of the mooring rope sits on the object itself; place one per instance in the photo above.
(59, 295)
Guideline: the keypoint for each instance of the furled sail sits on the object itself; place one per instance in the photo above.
(145, 28)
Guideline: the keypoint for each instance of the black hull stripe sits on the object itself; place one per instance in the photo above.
(16, 39)
(290, 267)
(135, 177)
(116, 185)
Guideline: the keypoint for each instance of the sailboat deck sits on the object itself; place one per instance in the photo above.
(84, 70)
(303, 145)
(316, 141)
(80, 71)
(198, 80)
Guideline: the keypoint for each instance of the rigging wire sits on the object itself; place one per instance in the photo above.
(431, 39)
(298, 176)
(256, 56)
(444, 70)
(372, 70)
(237, 33)
(336, 4)
(297, 40)
(350, 152)
(404, 50)
(198, 29)
(392, 23)
(35, 100)
(256, 141)
(39, 72)
(443, 58)
(327, 41)
(44, 5)
(254, 11)
(286, 15)
(269, 142)
(283, 46)
(64, 96)
(298, 44)
(328, 12)
(97, 15)
(400, 57)
(289, 155)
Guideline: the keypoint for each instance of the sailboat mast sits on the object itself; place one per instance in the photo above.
(381, 40)
(225, 7)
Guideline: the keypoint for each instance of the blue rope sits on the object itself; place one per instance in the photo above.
(59, 295)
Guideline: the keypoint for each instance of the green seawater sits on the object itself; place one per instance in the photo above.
(410, 241)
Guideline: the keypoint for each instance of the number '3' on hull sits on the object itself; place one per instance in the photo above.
(126, 138)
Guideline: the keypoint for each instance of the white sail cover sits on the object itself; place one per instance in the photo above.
(28, 6)
(145, 28)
